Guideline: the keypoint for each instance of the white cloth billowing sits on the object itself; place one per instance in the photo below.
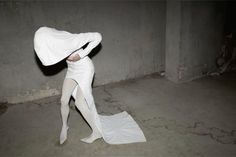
(52, 46)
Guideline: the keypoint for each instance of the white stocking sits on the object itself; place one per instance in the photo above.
(67, 89)
(81, 104)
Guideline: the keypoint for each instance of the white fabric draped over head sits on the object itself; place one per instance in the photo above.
(52, 45)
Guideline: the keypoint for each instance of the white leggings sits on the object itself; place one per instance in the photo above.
(67, 89)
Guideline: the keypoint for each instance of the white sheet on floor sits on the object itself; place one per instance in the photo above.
(120, 129)
(52, 46)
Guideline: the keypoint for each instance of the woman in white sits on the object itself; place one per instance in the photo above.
(52, 46)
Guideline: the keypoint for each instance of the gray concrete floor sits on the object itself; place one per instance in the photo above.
(185, 120)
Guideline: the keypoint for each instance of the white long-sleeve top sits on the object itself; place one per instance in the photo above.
(93, 39)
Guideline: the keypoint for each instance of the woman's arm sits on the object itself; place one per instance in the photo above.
(93, 39)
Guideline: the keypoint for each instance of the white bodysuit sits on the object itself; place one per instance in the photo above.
(52, 46)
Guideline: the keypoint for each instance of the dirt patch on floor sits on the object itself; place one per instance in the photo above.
(3, 107)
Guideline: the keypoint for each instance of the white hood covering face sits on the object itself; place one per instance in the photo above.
(53, 45)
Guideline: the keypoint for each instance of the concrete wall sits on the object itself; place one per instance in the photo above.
(133, 43)
(173, 38)
(193, 38)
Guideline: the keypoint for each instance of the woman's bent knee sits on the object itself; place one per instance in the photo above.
(64, 101)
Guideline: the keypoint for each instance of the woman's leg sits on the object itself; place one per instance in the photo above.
(81, 104)
(67, 89)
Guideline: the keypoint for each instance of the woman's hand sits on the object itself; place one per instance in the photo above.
(73, 57)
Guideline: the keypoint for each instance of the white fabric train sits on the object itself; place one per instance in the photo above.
(52, 46)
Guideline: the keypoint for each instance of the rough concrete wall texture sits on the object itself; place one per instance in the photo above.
(172, 51)
(199, 41)
(133, 43)
(202, 31)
